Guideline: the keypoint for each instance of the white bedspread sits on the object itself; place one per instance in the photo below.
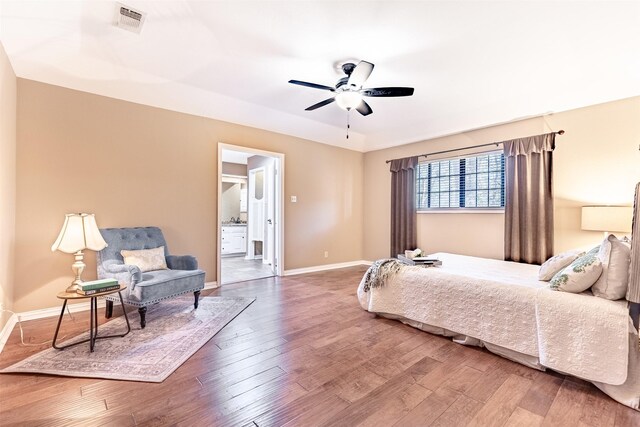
(503, 303)
(583, 335)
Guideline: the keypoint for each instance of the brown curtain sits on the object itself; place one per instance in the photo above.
(528, 235)
(403, 205)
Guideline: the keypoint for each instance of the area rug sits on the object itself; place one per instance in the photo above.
(174, 332)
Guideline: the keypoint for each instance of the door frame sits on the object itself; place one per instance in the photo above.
(279, 196)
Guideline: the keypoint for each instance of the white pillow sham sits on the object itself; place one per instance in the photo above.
(615, 256)
(146, 259)
(557, 263)
(579, 276)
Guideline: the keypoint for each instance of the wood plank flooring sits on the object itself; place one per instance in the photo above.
(306, 354)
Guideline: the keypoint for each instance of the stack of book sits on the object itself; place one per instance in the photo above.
(426, 261)
(98, 286)
(420, 260)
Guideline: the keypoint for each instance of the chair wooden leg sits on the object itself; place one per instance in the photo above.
(143, 313)
(108, 311)
(196, 294)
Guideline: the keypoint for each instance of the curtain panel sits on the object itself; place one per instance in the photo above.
(529, 199)
(404, 234)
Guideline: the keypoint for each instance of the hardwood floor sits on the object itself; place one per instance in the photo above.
(306, 354)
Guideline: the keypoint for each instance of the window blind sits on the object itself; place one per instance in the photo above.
(475, 181)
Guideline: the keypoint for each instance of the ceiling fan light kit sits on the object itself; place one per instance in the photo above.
(348, 99)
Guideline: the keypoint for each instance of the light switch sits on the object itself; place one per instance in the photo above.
(294, 199)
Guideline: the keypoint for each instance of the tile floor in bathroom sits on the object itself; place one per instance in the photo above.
(238, 269)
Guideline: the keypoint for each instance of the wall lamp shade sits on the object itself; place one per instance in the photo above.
(607, 218)
(79, 232)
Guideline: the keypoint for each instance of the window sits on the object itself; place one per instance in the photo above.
(467, 182)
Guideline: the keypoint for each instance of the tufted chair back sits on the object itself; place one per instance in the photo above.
(134, 238)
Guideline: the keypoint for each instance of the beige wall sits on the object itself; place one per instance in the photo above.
(597, 161)
(7, 182)
(136, 165)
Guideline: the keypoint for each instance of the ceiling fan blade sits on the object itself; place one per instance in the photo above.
(387, 91)
(320, 104)
(360, 74)
(364, 108)
(313, 85)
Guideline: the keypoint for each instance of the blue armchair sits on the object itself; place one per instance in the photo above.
(146, 288)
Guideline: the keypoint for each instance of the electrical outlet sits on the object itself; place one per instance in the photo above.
(294, 199)
(326, 254)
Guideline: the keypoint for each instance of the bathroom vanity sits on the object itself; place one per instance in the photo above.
(234, 239)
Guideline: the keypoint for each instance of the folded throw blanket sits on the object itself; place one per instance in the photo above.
(381, 271)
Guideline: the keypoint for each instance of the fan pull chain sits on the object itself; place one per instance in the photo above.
(348, 125)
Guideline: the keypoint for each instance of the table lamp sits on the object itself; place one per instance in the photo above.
(607, 218)
(79, 232)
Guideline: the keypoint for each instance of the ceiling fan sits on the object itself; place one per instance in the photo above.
(349, 92)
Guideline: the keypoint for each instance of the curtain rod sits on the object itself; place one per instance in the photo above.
(560, 132)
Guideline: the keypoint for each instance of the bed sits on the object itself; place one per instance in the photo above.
(504, 307)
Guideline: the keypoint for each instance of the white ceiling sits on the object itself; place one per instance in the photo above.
(472, 63)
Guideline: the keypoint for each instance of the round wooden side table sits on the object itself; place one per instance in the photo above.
(93, 314)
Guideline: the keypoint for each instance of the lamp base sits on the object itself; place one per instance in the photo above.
(77, 268)
(72, 288)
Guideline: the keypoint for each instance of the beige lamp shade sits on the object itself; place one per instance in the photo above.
(79, 232)
(607, 218)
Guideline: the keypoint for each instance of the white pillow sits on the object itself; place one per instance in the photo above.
(615, 256)
(146, 259)
(579, 276)
(557, 263)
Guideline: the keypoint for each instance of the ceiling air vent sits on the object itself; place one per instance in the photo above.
(129, 19)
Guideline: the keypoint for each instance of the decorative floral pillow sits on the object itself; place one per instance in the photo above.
(557, 263)
(595, 251)
(146, 259)
(579, 276)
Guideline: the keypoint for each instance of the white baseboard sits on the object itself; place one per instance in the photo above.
(84, 306)
(7, 329)
(55, 311)
(41, 314)
(317, 268)
(211, 285)
(73, 308)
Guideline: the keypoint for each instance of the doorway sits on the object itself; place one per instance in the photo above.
(250, 213)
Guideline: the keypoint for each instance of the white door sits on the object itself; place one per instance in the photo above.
(270, 246)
